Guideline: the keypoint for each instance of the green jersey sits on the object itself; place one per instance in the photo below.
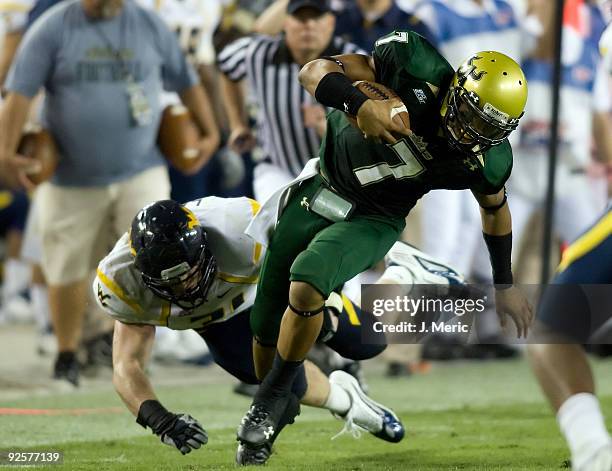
(388, 179)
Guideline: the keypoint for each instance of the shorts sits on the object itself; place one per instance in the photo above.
(579, 300)
(308, 248)
(79, 225)
(13, 211)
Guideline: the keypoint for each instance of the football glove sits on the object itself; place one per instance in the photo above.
(178, 430)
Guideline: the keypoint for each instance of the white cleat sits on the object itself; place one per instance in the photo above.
(366, 414)
(601, 460)
(423, 269)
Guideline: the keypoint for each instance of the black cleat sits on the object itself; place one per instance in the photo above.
(261, 425)
(258, 426)
(246, 455)
(67, 368)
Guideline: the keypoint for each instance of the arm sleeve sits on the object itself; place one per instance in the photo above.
(110, 302)
(496, 171)
(407, 52)
(233, 58)
(33, 63)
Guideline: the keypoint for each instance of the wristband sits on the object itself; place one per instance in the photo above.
(500, 254)
(336, 91)
(152, 414)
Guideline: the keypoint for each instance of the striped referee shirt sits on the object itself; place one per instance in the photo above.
(272, 76)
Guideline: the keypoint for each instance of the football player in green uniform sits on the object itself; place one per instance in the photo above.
(344, 218)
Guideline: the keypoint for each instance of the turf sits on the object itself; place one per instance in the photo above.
(465, 416)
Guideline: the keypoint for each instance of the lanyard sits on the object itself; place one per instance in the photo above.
(116, 53)
(140, 109)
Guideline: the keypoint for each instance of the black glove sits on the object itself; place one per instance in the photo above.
(178, 430)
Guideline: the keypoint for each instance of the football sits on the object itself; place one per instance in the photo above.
(38, 145)
(377, 91)
(178, 137)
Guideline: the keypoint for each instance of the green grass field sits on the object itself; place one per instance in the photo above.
(460, 416)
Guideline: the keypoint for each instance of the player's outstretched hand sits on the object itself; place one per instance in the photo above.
(512, 302)
(378, 119)
(178, 430)
(185, 434)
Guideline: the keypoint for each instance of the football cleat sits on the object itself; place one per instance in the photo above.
(66, 369)
(258, 426)
(247, 455)
(601, 460)
(365, 413)
(423, 269)
(261, 425)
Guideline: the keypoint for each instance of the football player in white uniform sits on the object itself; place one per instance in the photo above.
(192, 267)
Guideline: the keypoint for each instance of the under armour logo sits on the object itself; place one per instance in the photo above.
(305, 203)
(346, 109)
(269, 432)
(471, 165)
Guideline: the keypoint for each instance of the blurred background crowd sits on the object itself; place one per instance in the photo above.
(96, 77)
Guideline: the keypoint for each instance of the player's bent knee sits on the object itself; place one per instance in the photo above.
(305, 300)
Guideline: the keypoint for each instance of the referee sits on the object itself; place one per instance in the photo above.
(289, 123)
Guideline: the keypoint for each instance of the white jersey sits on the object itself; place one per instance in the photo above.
(584, 90)
(14, 14)
(121, 292)
(194, 22)
(463, 27)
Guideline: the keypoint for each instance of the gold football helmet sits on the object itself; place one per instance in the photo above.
(485, 101)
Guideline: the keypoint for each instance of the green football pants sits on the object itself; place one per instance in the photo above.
(306, 247)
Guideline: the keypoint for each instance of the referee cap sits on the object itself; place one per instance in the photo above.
(322, 6)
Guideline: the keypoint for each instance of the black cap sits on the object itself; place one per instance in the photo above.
(322, 6)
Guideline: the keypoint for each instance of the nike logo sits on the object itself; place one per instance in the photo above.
(221, 295)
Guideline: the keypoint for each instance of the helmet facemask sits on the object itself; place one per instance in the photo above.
(185, 285)
(471, 129)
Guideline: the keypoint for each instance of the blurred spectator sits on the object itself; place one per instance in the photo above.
(289, 122)
(103, 64)
(13, 18)
(194, 23)
(451, 221)
(361, 21)
(584, 115)
(364, 21)
(15, 274)
(451, 224)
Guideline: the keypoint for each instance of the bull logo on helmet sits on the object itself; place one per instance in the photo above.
(468, 69)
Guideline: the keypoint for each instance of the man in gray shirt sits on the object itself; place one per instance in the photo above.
(103, 65)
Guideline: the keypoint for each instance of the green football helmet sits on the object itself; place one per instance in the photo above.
(484, 103)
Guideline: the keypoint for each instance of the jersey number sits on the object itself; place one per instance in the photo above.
(398, 37)
(408, 167)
